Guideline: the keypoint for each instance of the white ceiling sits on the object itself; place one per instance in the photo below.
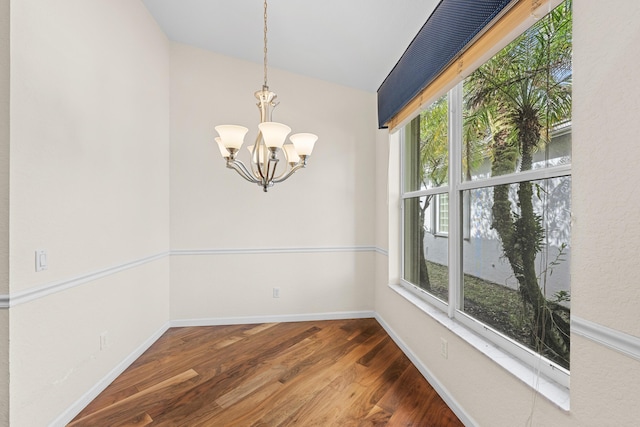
(354, 43)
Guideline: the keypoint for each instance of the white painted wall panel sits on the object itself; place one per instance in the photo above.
(241, 285)
(330, 204)
(90, 184)
(4, 209)
(89, 137)
(55, 343)
(4, 368)
(606, 151)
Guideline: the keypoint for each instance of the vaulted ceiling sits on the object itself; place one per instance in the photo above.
(350, 42)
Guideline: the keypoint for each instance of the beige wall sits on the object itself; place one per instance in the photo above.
(606, 205)
(4, 209)
(604, 383)
(56, 356)
(89, 123)
(90, 184)
(607, 195)
(327, 205)
(4, 367)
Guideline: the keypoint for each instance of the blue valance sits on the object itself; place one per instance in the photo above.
(447, 32)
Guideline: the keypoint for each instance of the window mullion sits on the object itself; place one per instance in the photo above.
(426, 192)
(455, 208)
(516, 177)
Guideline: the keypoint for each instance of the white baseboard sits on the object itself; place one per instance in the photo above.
(428, 375)
(71, 412)
(215, 321)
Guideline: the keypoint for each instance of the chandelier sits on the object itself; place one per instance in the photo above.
(270, 143)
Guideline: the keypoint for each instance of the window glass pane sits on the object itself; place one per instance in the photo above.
(516, 263)
(426, 154)
(425, 253)
(517, 106)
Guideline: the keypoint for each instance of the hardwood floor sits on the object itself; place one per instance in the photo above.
(327, 373)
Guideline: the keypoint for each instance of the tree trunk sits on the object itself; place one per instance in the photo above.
(423, 273)
(521, 235)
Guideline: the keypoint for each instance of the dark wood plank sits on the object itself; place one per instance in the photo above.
(329, 373)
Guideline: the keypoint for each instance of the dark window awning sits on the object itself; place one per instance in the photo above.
(447, 32)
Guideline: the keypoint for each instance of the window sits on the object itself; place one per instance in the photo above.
(489, 166)
(426, 175)
(442, 214)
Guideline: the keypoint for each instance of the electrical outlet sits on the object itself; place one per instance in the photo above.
(104, 340)
(444, 348)
(276, 292)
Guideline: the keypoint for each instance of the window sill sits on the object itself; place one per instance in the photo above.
(554, 392)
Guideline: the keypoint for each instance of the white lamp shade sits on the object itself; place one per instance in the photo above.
(292, 154)
(223, 151)
(304, 143)
(274, 133)
(232, 136)
(260, 153)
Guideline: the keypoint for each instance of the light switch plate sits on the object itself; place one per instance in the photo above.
(41, 260)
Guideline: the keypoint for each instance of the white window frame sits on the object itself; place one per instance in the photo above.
(454, 189)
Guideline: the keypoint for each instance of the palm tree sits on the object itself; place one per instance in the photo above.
(511, 102)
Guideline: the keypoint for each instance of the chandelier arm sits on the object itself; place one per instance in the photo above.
(266, 178)
(272, 170)
(257, 170)
(286, 170)
(242, 170)
(293, 170)
(283, 173)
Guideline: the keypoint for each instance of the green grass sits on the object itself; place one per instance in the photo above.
(496, 305)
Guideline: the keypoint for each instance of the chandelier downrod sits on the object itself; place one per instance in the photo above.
(269, 142)
(265, 85)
